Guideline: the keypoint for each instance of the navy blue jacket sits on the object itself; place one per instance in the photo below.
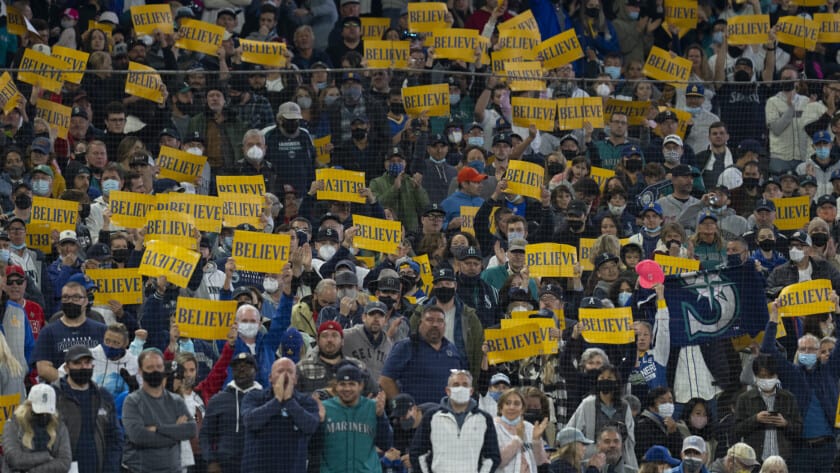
(222, 436)
(277, 434)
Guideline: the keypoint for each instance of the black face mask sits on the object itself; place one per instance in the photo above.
(769, 245)
(819, 239)
(120, 255)
(735, 51)
(388, 301)
(750, 182)
(592, 12)
(407, 423)
(576, 225)
(290, 126)
(187, 108)
(23, 201)
(81, 376)
(41, 419)
(14, 171)
(444, 294)
(533, 416)
(71, 310)
(397, 108)
(742, 76)
(555, 168)
(787, 86)
(607, 386)
(633, 165)
(359, 133)
(154, 378)
(407, 283)
(733, 260)
(569, 154)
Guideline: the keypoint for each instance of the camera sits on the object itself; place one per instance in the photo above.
(713, 200)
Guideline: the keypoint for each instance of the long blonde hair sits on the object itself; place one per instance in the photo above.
(24, 418)
(8, 359)
(569, 453)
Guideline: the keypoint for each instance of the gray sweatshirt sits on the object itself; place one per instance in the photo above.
(159, 451)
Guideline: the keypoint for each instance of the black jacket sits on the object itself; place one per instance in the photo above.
(222, 436)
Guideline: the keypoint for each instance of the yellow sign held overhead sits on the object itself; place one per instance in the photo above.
(15, 24)
(78, 61)
(549, 346)
(9, 95)
(607, 326)
(177, 228)
(573, 113)
(585, 254)
(383, 54)
(550, 260)
(171, 261)
(243, 209)
(180, 165)
(560, 50)
(660, 65)
(525, 75)
(457, 44)
(374, 28)
(798, 31)
(525, 42)
(206, 210)
(432, 99)
(792, 213)
(39, 237)
(675, 265)
(829, 24)
(56, 115)
(122, 285)
(341, 185)
(322, 149)
(147, 18)
(199, 36)
(204, 319)
(426, 17)
(249, 185)
(468, 219)
(538, 112)
(59, 214)
(525, 178)
(523, 21)
(636, 112)
(681, 13)
(144, 81)
(377, 234)
(267, 53)
(806, 298)
(514, 343)
(261, 252)
(128, 209)
(748, 29)
(42, 70)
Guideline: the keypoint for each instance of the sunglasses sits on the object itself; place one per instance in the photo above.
(15, 282)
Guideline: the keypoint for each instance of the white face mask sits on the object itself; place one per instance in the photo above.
(326, 252)
(796, 255)
(666, 409)
(195, 150)
(351, 293)
(459, 394)
(255, 153)
(616, 210)
(248, 329)
(603, 90)
(456, 137)
(270, 285)
(766, 384)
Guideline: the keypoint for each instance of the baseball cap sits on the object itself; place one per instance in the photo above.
(99, 251)
(571, 434)
(437, 138)
(469, 174)
(808, 181)
(71, 13)
(376, 306)
(751, 145)
(569, 136)
(78, 112)
(195, 136)
(290, 111)
(517, 244)
(351, 20)
(331, 325)
(41, 145)
(109, 17)
(434, 209)
(44, 169)
(801, 237)
(354, 76)
(503, 138)
(227, 11)
(499, 378)
(291, 343)
(388, 280)
(327, 234)
(349, 372)
(67, 236)
(577, 208)
(470, 252)
(42, 398)
(244, 357)
(765, 204)
(14, 269)
(826, 199)
(630, 150)
(681, 170)
(166, 185)
(703, 215)
(604, 258)
(346, 263)
(743, 453)
(591, 303)
(241, 291)
(695, 90)
(744, 61)
(659, 454)
(653, 206)
(673, 139)
(394, 151)
(694, 442)
(822, 136)
(401, 404)
(666, 115)
(554, 289)
(169, 131)
(443, 274)
(76, 353)
(835, 175)
(346, 278)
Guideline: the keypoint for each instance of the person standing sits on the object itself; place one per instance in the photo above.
(156, 421)
(34, 439)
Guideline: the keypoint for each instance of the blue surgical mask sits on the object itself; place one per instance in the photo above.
(511, 422)
(822, 152)
(109, 185)
(477, 165)
(634, 15)
(454, 99)
(395, 169)
(4, 255)
(624, 298)
(18, 247)
(653, 230)
(717, 37)
(330, 99)
(613, 71)
(694, 110)
(227, 241)
(495, 395)
(321, 85)
(186, 345)
(475, 141)
(40, 187)
(807, 359)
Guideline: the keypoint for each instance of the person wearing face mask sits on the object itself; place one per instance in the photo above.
(801, 267)
(114, 366)
(219, 123)
(520, 441)
(253, 109)
(789, 142)
(362, 153)
(656, 425)
(254, 162)
(767, 417)
(438, 447)
(153, 414)
(34, 436)
(815, 387)
(88, 412)
(73, 323)
(717, 202)
(289, 147)
(693, 456)
(604, 407)
(112, 180)
(406, 416)
(668, 149)
(347, 310)
(822, 164)
(352, 103)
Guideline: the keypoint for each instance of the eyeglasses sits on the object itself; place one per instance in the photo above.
(73, 298)
(15, 282)
(17, 230)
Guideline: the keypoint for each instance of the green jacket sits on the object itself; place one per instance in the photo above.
(351, 435)
(234, 131)
(408, 202)
(470, 327)
(496, 277)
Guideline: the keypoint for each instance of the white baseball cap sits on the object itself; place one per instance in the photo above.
(42, 397)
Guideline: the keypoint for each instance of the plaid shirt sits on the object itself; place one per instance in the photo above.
(256, 113)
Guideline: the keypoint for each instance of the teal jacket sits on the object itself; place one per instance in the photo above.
(496, 277)
(351, 435)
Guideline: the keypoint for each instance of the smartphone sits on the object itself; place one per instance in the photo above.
(772, 413)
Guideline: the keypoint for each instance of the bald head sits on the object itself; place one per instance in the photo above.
(283, 366)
